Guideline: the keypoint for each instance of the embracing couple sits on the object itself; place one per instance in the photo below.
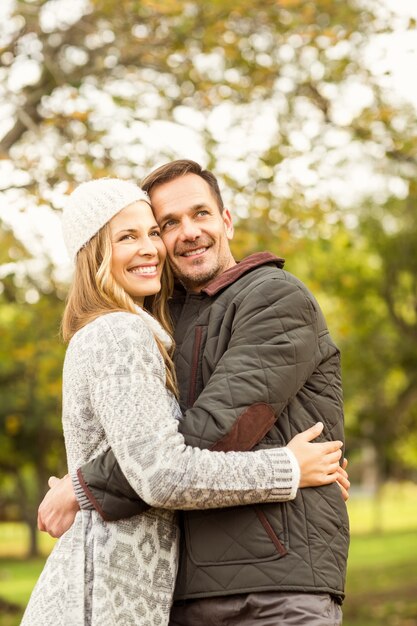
(212, 492)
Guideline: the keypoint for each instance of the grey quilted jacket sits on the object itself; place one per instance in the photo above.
(256, 365)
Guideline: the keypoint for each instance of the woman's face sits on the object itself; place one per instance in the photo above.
(138, 253)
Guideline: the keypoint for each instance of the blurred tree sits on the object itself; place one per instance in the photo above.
(84, 80)
(31, 356)
(366, 279)
(317, 154)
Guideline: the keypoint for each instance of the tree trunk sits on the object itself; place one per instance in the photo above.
(33, 548)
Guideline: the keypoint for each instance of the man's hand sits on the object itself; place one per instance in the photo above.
(59, 507)
(343, 480)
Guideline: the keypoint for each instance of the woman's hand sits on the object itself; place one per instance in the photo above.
(319, 462)
(343, 480)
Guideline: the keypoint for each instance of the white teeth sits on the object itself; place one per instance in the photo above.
(149, 269)
(192, 252)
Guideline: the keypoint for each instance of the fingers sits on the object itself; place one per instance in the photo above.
(328, 454)
(331, 467)
(327, 479)
(343, 482)
(345, 492)
(334, 473)
(331, 446)
(343, 478)
(312, 432)
(334, 457)
(53, 480)
(342, 470)
(46, 527)
(41, 525)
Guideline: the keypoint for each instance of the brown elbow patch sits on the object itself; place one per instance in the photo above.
(249, 429)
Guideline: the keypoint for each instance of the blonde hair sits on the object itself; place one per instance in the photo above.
(95, 292)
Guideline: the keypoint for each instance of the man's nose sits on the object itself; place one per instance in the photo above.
(190, 231)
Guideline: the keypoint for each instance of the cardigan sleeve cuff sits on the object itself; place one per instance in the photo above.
(296, 473)
(80, 494)
(285, 474)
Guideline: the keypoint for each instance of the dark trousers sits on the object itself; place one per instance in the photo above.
(261, 609)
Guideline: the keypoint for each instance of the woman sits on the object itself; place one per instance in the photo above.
(119, 391)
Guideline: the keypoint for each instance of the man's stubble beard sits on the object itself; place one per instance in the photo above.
(194, 280)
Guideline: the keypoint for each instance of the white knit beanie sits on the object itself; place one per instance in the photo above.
(93, 204)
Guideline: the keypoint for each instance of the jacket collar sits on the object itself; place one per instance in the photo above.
(232, 274)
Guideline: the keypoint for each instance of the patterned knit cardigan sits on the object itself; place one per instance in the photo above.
(114, 394)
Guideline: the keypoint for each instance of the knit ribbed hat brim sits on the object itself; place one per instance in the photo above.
(91, 205)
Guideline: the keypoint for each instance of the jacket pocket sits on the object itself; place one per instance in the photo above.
(246, 534)
(269, 529)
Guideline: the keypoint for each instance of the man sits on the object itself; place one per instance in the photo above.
(255, 365)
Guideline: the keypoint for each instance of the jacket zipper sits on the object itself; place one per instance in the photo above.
(194, 366)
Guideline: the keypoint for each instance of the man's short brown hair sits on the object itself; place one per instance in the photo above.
(176, 169)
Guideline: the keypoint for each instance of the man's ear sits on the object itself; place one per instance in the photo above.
(228, 223)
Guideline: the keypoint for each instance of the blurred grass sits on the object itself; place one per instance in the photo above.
(382, 571)
(382, 580)
(18, 575)
(382, 568)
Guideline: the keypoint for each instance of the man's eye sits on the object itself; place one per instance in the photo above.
(168, 224)
(203, 212)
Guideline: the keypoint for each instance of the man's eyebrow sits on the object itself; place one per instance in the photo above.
(174, 215)
(167, 217)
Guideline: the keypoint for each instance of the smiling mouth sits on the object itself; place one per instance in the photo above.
(196, 252)
(144, 270)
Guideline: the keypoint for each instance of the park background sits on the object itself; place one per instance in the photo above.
(306, 111)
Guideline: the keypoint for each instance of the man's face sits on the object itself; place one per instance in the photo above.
(194, 231)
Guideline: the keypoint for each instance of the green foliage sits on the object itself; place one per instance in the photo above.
(31, 357)
(286, 73)
(128, 63)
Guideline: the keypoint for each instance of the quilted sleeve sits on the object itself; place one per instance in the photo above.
(273, 349)
(137, 413)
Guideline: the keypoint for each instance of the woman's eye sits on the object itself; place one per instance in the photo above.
(128, 236)
(155, 233)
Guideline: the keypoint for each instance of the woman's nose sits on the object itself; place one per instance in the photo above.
(147, 247)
